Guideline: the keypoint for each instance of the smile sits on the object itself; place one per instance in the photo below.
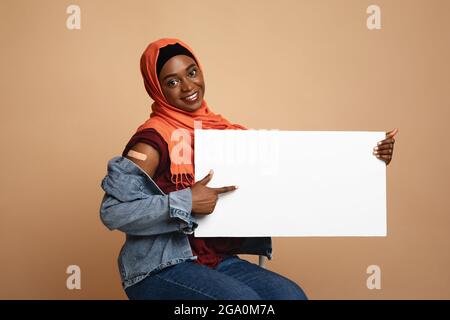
(192, 98)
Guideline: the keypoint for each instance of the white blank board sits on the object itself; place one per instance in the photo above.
(292, 183)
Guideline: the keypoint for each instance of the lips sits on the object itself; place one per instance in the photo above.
(192, 97)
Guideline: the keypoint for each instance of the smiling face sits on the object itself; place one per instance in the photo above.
(181, 81)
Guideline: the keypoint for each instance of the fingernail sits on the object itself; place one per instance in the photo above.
(236, 187)
(376, 148)
(375, 152)
(211, 171)
(379, 143)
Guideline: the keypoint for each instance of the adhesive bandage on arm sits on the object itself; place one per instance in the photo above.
(137, 155)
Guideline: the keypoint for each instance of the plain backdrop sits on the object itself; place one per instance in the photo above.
(71, 99)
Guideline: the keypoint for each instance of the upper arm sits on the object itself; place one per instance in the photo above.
(145, 156)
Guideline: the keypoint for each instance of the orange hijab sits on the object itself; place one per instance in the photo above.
(166, 118)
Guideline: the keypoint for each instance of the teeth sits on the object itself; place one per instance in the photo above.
(192, 96)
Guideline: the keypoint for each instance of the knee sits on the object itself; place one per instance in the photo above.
(289, 290)
(295, 292)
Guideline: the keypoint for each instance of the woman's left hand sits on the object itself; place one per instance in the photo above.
(385, 148)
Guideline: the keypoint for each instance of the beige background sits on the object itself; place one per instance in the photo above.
(70, 100)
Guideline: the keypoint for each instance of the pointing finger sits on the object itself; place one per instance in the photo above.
(225, 189)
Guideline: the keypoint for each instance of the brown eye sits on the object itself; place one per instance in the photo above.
(193, 73)
(172, 83)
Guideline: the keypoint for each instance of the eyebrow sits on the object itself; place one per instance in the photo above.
(174, 74)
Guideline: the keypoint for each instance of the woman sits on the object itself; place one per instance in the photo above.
(150, 195)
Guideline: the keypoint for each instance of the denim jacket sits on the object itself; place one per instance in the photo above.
(156, 224)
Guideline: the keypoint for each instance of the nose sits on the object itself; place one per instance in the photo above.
(186, 85)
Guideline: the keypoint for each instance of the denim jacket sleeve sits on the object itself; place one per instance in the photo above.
(134, 204)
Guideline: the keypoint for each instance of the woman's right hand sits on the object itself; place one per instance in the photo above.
(204, 198)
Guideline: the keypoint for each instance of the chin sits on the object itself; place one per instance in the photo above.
(192, 108)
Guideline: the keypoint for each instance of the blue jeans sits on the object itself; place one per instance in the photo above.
(232, 279)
